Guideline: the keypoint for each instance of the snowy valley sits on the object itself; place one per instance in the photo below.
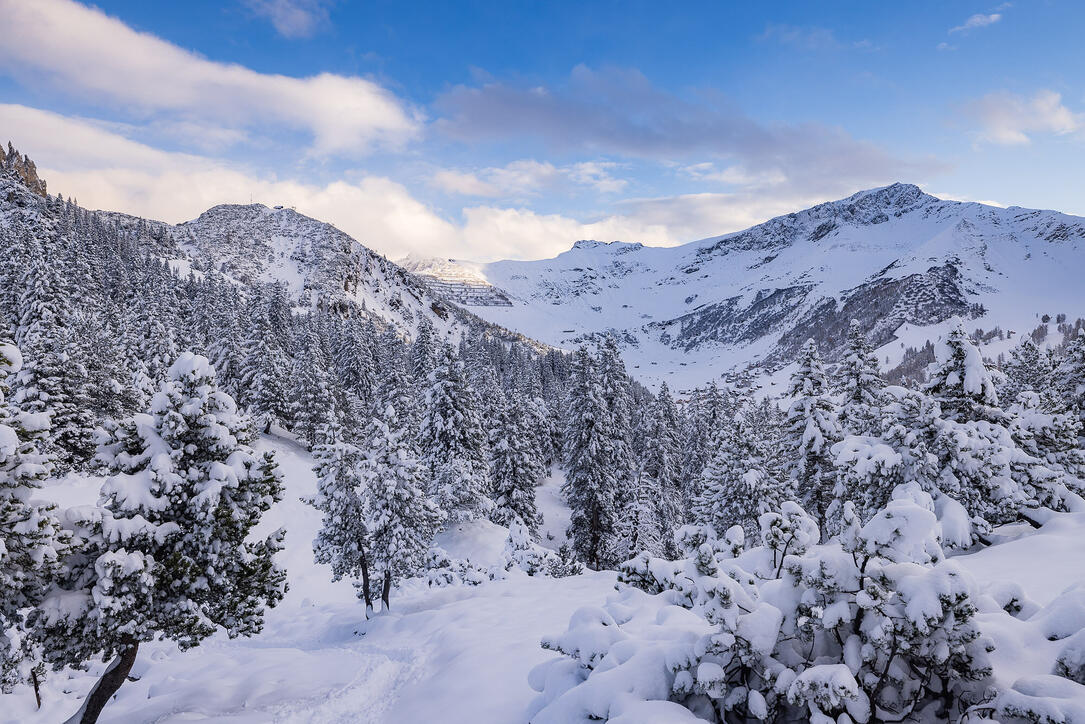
(251, 471)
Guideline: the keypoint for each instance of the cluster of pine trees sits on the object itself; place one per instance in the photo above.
(991, 446)
(114, 363)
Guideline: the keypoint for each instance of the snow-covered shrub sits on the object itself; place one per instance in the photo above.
(567, 563)
(1070, 662)
(523, 553)
(873, 626)
(442, 570)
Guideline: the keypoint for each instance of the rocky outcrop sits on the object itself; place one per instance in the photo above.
(20, 165)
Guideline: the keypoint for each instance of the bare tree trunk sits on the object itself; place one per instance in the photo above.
(386, 589)
(37, 685)
(106, 687)
(366, 593)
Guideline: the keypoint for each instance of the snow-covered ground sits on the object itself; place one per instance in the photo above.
(459, 654)
(449, 654)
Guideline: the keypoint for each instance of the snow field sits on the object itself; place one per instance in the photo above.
(463, 654)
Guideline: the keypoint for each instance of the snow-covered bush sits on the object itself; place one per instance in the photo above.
(443, 570)
(875, 625)
(523, 553)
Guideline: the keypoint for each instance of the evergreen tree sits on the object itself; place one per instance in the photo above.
(615, 388)
(400, 519)
(734, 489)
(1029, 370)
(1070, 378)
(314, 405)
(453, 442)
(590, 483)
(343, 537)
(53, 379)
(860, 383)
(32, 543)
(812, 431)
(960, 381)
(168, 554)
(662, 463)
(516, 467)
(640, 529)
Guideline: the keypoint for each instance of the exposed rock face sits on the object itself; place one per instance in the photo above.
(23, 168)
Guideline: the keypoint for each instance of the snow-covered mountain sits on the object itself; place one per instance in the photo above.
(457, 281)
(317, 262)
(899, 260)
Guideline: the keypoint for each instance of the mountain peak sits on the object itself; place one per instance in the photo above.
(23, 168)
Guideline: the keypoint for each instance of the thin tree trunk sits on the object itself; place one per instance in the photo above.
(37, 685)
(106, 687)
(366, 593)
(386, 589)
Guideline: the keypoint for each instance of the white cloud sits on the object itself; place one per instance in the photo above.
(698, 216)
(597, 175)
(733, 175)
(292, 18)
(1010, 119)
(105, 170)
(979, 20)
(502, 233)
(464, 184)
(526, 177)
(620, 113)
(101, 59)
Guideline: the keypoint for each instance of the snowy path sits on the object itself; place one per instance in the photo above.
(450, 655)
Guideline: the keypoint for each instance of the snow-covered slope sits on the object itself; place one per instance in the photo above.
(889, 257)
(463, 654)
(459, 655)
(458, 281)
(316, 261)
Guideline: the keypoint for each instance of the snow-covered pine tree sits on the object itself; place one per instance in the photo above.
(354, 373)
(1028, 370)
(960, 381)
(399, 517)
(424, 350)
(661, 466)
(812, 431)
(1070, 378)
(168, 553)
(313, 402)
(343, 538)
(53, 379)
(32, 543)
(453, 442)
(269, 390)
(860, 383)
(516, 468)
(734, 489)
(589, 482)
(615, 388)
(265, 367)
(640, 529)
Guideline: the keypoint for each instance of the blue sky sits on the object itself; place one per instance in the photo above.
(510, 129)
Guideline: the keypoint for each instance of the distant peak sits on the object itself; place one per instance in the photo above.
(895, 194)
(620, 245)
